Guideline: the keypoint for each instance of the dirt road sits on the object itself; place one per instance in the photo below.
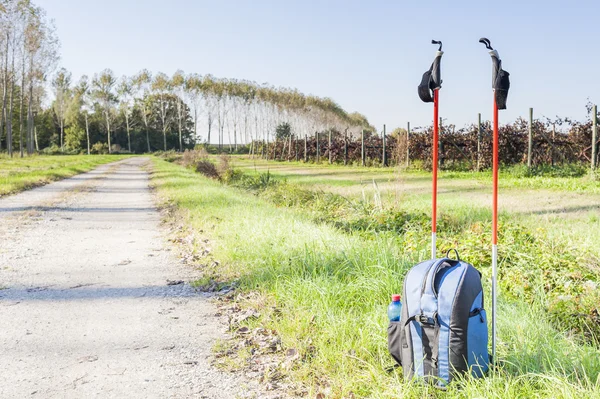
(85, 306)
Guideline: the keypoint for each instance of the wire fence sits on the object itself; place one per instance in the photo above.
(532, 142)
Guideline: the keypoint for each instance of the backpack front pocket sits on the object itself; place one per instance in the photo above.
(477, 343)
(395, 340)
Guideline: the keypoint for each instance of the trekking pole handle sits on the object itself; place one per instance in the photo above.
(486, 42)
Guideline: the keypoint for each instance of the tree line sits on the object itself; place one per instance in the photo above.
(148, 112)
(140, 113)
(28, 52)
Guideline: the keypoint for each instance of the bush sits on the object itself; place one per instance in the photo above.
(74, 137)
(56, 150)
(192, 157)
(566, 170)
(258, 182)
(208, 169)
(99, 148)
(52, 150)
(224, 164)
(169, 156)
(232, 175)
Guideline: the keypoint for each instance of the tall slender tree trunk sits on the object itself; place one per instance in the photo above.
(147, 132)
(128, 134)
(163, 117)
(256, 134)
(179, 117)
(148, 139)
(246, 128)
(108, 131)
(219, 127)
(196, 123)
(235, 135)
(62, 130)
(21, 107)
(30, 121)
(229, 138)
(180, 137)
(87, 132)
(5, 88)
(210, 121)
(222, 137)
(9, 136)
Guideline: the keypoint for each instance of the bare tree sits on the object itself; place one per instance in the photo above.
(103, 85)
(40, 44)
(83, 92)
(141, 88)
(125, 93)
(193, 90)
(178, 83)
(62, 91)
(161, 87)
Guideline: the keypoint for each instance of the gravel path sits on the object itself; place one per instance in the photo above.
(85, 308)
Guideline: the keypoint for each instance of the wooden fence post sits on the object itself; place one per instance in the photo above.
(346, 147)
(407, 144)
(305, 147)
(594, 135)
(329, 148)
(318, 148)
(553, 141)
(383, 157)
(478, 141)
(530, 145)
(296, 141)
(362, 147)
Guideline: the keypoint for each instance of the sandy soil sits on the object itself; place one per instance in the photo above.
(85, 304)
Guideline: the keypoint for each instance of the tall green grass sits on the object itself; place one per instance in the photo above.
(331, 286)
(569, 177)
(18, 174)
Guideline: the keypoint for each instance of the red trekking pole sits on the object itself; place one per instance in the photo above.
(432, 83)
(500, 85)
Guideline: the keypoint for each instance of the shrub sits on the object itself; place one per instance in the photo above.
(74, 137)
(192, 157)
(169, 156)
(258, 182)
(232, 175)
(99, 148)
(224, 164)
(208, 169)
(52, 150)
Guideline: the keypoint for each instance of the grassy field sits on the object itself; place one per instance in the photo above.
(324, 266)
(18, 174)
(566, 207)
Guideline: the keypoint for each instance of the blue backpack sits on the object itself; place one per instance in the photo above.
(443, 328)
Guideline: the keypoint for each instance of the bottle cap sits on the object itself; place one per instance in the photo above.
(396, 298)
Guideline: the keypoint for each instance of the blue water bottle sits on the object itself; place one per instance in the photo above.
(395, 308)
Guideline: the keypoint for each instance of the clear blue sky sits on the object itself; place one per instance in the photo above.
(367, 55)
